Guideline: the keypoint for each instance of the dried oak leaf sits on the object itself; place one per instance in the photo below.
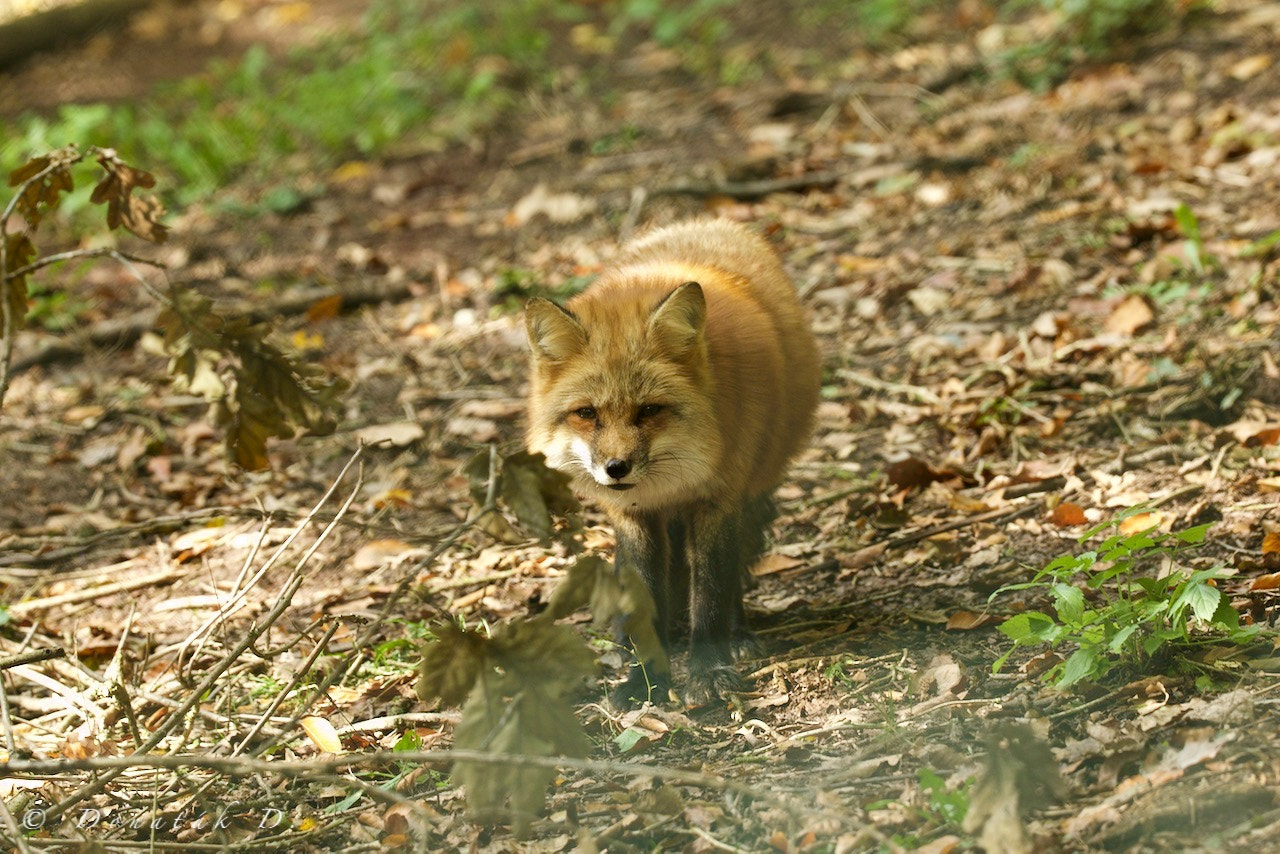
(19, 252)
(42, 193)
(139, 214)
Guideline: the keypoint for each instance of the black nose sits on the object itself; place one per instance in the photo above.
(617, 469)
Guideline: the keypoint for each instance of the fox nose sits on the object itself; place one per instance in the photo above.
(617, 469)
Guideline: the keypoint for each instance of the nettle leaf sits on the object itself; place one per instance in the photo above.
(577, 588)
(527, 488)
(1203, 599)
(522, 493)
(1028, 627)
(542, 654)
(522, 723)
(1194, 535)
(1068, 602)
(553, 485)
(452, 663)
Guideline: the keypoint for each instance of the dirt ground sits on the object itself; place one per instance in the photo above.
(1012, 335)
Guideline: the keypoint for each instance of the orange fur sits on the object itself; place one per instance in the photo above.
(674, 391)
(743, 395)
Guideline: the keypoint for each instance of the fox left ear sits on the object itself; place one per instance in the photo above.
(554, 333)
(676, 323)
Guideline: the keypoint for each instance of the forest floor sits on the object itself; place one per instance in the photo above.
(1037, 311)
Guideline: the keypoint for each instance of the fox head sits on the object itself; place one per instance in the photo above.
(621, 396)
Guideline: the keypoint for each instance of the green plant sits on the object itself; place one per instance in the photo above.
(1081, 30)
(1128, 617)
(406, 77)
(948, 805)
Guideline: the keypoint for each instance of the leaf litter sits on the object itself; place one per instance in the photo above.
(1021, 340)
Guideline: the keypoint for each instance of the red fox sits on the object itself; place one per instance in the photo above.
(674, 391)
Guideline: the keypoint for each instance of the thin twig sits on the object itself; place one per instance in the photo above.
(34, 657)
(329, 765)
(73, 254)
(215, 672)
(287, 690)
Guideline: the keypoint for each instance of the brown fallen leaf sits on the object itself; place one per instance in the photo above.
(1067, 514)
(1271, 543)
(1270, 581)
(771, 563)
(1019, 774)
(963, 621)
(1131, 315)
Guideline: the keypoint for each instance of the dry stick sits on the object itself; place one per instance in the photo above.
(750, 189)
(16, 837)
(123, 332)
(34, 657)
(76, 596)
(332, 765)
(284, 692)
(366, 635)
(170, 723)
(239, 591)
(10, 742)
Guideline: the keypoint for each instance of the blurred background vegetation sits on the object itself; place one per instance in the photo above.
(414, 77)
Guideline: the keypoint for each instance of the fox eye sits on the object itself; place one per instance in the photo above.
(648, 411)
(586, 413)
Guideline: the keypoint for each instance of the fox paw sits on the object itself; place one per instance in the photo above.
(640, 687)
(706, 685)
(746, 647)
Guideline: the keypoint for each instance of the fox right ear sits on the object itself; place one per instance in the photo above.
(554, 333)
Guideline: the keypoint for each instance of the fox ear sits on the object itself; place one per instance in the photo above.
(676, 323)
(554, 333)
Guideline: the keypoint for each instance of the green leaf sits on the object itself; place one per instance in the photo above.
(1118, 640)
(1083, 664)
(1068, 602)
(629, 738)
(1194, 535)
(1261, 245)
(1203, 600)
(1029, 627)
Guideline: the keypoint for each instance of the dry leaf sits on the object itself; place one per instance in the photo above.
(557, 207)
(771, 563)
(1270, 581)
(1131, 315)
(322, 734)
(395, 434)
(1271, 542)
(380, 553)
(1250, 66)
(1067, 514)
(963, 621)
(1140, 522)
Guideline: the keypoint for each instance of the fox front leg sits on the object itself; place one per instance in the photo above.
(714, 551)
(645, 548)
